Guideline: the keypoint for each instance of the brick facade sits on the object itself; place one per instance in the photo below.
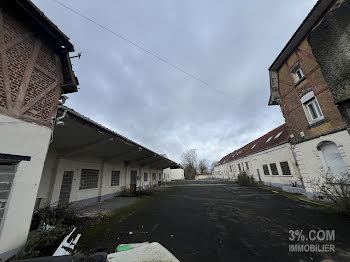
(290, 94)
(30, 72)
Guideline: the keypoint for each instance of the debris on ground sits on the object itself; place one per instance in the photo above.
(67, 247)
(138, 252)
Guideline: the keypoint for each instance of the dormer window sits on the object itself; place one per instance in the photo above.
(269, 139)
(298, 74)
(279, 134)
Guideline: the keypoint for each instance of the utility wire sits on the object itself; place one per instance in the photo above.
(204, 83)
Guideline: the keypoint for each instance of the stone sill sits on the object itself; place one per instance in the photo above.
(320, 122)
(299, 81)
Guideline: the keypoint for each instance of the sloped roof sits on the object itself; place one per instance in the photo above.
(40, 20)
(128, 141)
(259, 144)
(314, 16)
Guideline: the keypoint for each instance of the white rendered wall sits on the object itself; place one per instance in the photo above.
(55, 167)
(256, 161)
(310, 159)
(27, 139)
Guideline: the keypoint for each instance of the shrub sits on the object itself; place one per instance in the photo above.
(336, 188)
(244, 180)
(44, 244)
(58, 216)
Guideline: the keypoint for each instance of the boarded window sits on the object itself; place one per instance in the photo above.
(115, 178)
(7, 174)
(145, 177)
(88, 179)
(285, 168)
(274, 169)
(266, 170)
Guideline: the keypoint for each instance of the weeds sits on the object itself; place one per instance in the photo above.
(244, 180)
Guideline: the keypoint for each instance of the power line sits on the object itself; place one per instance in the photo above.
(204, 83)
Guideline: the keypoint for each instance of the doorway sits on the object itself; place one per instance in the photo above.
(66, 188)
(133, 179)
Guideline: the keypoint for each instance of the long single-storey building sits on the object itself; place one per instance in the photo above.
(88, 163)
(268, 159)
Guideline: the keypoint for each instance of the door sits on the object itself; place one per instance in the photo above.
(133, 178)
(65, 188)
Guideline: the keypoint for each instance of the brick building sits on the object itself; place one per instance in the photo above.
(82, 162)
(35, 70)
(315, 131)
(316, 127)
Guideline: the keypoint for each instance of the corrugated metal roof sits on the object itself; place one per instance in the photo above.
(273, 138)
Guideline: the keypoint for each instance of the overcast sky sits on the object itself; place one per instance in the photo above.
(228, 44)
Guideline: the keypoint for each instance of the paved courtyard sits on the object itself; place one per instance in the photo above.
(218, 221)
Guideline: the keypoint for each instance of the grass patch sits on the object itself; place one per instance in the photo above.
(299, 197)
(98, 236)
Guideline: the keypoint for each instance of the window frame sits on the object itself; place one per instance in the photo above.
(283, 173)
(267, 168)
(308, 101)
(295, 74)
(113, 173)
(81, 179)
(272, 169)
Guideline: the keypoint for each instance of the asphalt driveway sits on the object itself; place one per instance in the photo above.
(217, 221)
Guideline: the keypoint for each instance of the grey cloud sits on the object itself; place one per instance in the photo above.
(228, 44)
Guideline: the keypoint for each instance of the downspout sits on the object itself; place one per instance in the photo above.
(292, 145)
(100, 185)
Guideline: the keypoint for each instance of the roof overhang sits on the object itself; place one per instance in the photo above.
(82, 137)
(315, 15)
(44, 23)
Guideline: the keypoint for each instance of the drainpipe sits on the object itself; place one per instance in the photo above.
(292, 145)
(125, 172)
(100, 185)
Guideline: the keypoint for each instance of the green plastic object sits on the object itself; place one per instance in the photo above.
(123, 248)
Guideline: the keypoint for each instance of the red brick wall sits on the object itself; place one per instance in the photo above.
(30, 72)
(290, 94)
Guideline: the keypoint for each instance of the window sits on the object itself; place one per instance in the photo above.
(298, 74)
(278, 135)
(154, 176)
(269, 139)
(266, 170)
(115, 178)
(239, 167)
(88, 179)
(285, 168)
(7, 174)
(145, 177)
(242, 165)
(246, 163)
(160, 176)
(332, 160)
(230, 168)
(274, 170)
(312, 108)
